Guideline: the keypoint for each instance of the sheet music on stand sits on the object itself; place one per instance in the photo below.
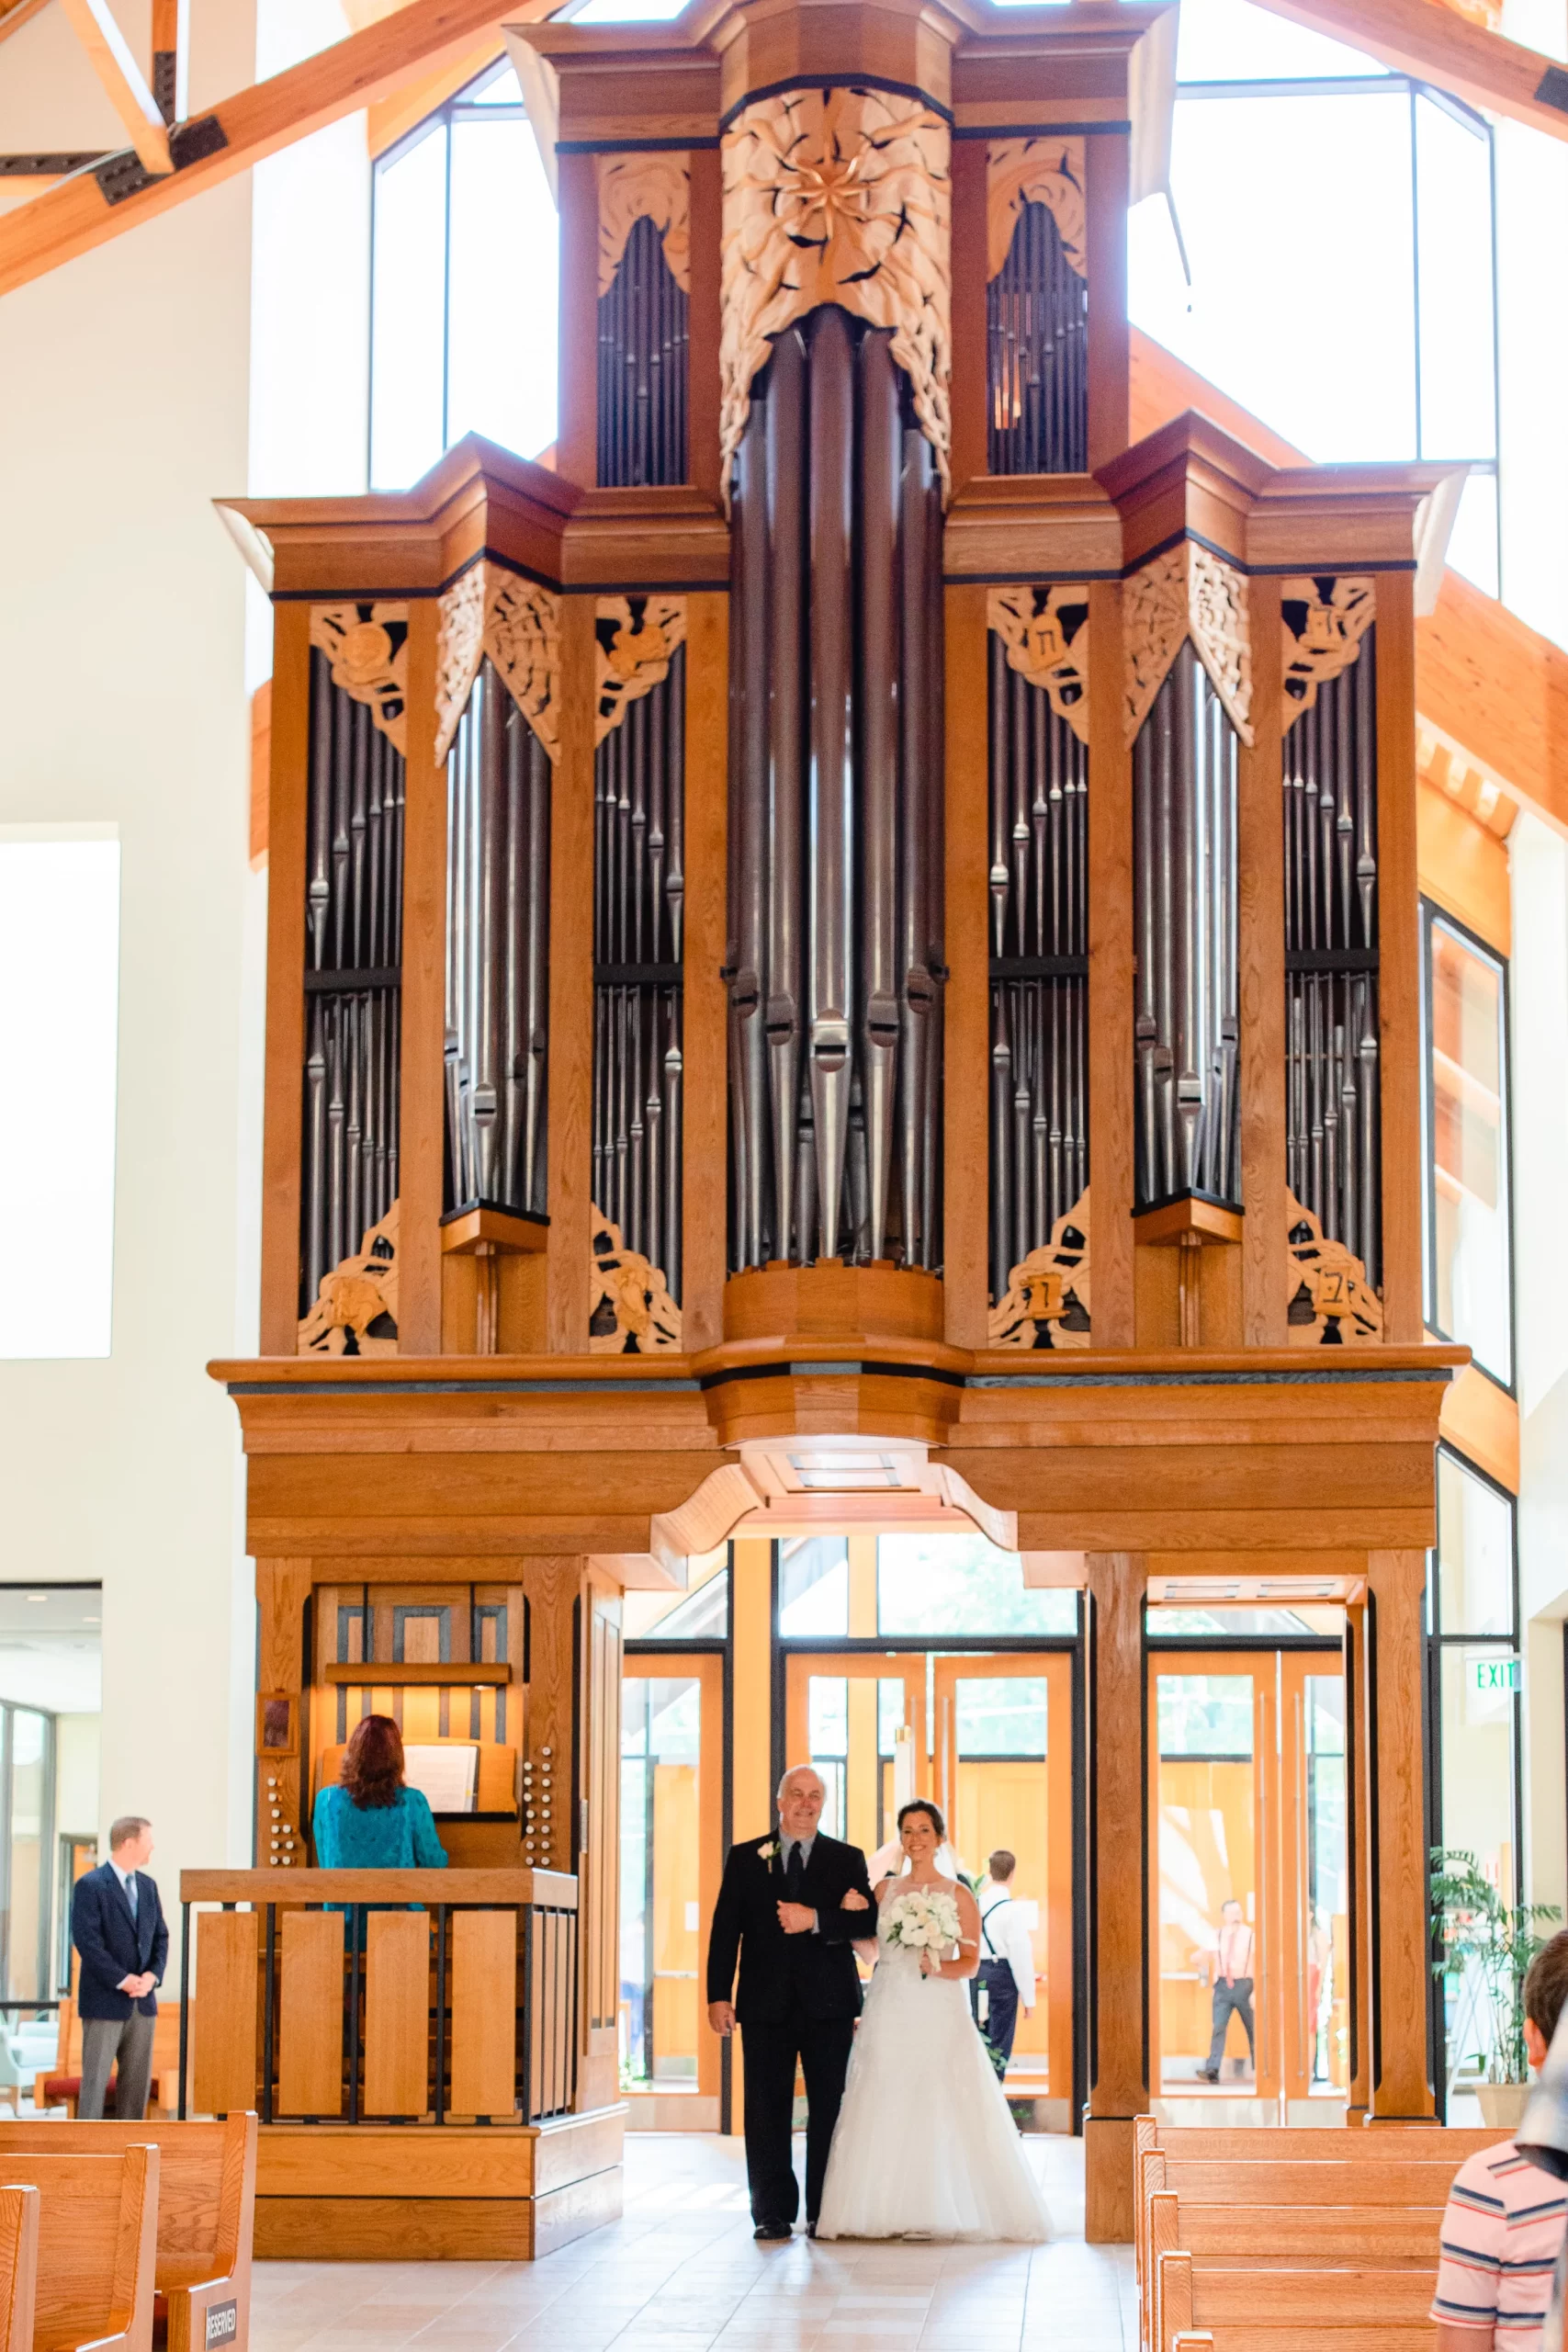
(446, 1776)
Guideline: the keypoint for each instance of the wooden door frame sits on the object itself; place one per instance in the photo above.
(1056, 1669)
(705, 1668)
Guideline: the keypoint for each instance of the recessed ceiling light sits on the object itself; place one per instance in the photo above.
(38, 1596)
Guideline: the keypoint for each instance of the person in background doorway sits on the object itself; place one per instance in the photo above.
(118, 1926)
(1503, 2229)
(1006, 1974)
(1231, 1963)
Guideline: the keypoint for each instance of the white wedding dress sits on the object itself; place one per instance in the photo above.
(924, 2144)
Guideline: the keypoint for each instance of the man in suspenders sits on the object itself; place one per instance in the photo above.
(1007, 1956)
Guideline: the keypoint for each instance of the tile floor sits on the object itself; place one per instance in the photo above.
(679, 2273)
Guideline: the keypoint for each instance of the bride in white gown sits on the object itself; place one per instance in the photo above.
(924, 2146)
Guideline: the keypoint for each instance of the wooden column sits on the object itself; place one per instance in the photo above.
(966, 1006)
(287, 796)
(704, 1140)
(551, 1585)
(1118, 1923)
(970, 261)
(1358, 1790)
(1107, 164)
(422, 1114)
(1261, 968)
(577, 441)
(283, 1587)
(1400, 2086)
(1399, 959)
(702, 323)
(568, 1147)
(1109, 968)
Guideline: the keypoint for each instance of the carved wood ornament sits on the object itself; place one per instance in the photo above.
(367, 646)
(1322, 622)
(1046, 1303)
(1045, 631)
(359, 1293)
(637, 636)
(656, 187)
(517, 623)
(1035, 171)
(837, 195)
(630, 1311)
(1188, 592)
(1323, 1276)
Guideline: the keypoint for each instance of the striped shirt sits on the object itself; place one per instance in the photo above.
(1502, 2230)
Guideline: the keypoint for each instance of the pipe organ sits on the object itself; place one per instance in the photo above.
(841, 881)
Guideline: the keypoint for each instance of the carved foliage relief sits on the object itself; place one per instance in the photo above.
(1322, 622)
(837, 195)
(367, 646)
(1045, 631)
(1188, 592)
(657, 187)
(630, 1311)
(636, 639)
(517, 623)
(1035, 171)
(1046, 1304)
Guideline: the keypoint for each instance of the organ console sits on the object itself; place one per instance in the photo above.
(845, 902)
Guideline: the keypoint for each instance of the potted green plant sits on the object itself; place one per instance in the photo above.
(1477, 1929)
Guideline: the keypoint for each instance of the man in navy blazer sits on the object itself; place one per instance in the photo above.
(117, 1925)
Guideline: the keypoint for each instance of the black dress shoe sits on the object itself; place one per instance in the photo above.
(811, 2228)
(771, 2233)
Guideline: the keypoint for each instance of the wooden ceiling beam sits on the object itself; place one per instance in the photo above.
(353, 73)
(1434, 44)
(108, 53)
(19, 13)
(171, 58)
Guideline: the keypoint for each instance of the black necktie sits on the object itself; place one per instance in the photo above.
(794, 1871)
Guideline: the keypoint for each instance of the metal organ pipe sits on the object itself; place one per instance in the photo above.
(642, 367)
(498, 800)
(353, 979)
(1037, 319)
(835, 878)
(1333, 1153)
(1185, 1021)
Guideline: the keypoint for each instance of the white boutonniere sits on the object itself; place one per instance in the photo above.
(770, 1852)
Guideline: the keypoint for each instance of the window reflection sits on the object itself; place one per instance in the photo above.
(1475, 1552)
(661, 1931)
(814, 1585)
(962, 1584)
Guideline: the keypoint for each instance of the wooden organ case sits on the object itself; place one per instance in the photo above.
(850, 903)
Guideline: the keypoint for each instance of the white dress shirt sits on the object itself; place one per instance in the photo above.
(1009, 1937)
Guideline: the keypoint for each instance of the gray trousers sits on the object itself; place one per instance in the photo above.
(105, 2041)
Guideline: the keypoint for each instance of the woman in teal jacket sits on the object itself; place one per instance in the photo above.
(372, 1820)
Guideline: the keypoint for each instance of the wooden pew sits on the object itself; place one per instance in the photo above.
(19, 2267)
(96, 2240)
(1212, 2306)
(1155, 2146)
(206, 2205)
(1240, 2231)
(61, 2085)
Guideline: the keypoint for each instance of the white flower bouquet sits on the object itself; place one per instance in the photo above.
(923, 1920)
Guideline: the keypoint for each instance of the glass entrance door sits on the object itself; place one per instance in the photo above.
(671, 1822)
(861, 1719)
(1246, 1802)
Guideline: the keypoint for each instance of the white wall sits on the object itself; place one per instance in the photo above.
(123, 411)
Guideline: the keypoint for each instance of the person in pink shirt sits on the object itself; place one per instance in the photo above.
(1504, 2225)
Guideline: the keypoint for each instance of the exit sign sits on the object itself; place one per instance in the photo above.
(1492, 1676)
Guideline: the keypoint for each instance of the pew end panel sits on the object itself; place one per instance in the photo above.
(19, 2267)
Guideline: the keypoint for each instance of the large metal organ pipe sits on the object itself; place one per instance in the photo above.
(1186, 1027)
(1037, 355)
(1333, 1158)
(498, 862)
(1039, 969)
(354, 901)
(639, 900)
(642, 367)
(835, 837)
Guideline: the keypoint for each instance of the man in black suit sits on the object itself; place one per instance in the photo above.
(117, 1925)
(790, 1906)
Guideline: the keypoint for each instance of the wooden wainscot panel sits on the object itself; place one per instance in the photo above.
(577, 2147)
(310, 2061)
(227, 1960)
(484, 2013)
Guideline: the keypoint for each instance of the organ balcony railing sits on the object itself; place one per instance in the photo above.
(850, 844)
